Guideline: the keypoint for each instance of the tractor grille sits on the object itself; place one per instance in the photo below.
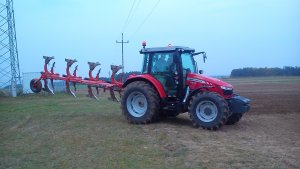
(227, 92)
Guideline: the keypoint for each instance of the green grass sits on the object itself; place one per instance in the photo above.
(64, 132)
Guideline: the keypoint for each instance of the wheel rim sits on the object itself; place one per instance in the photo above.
(206, 111)
(137, 104)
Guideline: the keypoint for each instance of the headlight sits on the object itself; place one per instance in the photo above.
(226, 88)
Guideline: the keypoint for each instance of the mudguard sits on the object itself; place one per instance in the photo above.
(150, 79)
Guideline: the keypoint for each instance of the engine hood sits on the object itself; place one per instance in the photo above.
(210, 80)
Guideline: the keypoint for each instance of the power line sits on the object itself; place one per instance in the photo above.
(128, 19)
(129, 14)
(133, 13)
(144, 21)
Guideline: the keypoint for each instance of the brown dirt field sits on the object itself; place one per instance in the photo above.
(257, 141)
(266, 137)
(271, 98)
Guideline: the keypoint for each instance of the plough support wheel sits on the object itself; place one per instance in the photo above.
(36, 85)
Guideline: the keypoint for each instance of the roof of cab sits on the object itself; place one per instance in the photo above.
(166, 49)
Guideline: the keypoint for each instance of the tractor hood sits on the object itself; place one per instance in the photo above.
(207, 80)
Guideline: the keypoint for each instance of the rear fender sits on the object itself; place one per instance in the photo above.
(149, 79)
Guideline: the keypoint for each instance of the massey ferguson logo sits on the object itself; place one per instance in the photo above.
(197, 80)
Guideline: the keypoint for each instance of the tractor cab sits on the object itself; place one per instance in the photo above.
(170, 66)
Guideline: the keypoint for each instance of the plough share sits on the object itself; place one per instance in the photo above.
(91, 82)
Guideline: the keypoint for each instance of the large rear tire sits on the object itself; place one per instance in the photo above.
(208, 110)
(36, 86)
(234, 118)
(140, 103)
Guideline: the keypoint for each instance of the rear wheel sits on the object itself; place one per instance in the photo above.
(234, 118)
(140, 103)
(208, 110)
(36, 86)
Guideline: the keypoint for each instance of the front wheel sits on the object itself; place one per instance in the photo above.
(208, 110)
(140, 103)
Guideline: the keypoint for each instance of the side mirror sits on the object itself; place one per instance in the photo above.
(200, 71)
(203, 53)
(204, 57)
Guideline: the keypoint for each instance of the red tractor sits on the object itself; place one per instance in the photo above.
(170, 84)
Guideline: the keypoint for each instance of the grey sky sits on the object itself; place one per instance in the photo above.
(234, 33)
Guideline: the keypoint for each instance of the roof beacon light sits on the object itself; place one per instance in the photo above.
(169, 45)
(144, 44)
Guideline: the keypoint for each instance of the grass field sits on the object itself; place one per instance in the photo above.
(40, 131)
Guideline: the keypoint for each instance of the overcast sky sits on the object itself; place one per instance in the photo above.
(234, 33)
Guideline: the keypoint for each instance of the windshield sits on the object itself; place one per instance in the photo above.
(188, 62)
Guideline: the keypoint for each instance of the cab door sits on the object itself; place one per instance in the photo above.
(185, 65)
(164, 68)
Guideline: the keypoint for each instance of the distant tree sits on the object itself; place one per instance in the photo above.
(120, 75)
(127, 74)
(256, 72)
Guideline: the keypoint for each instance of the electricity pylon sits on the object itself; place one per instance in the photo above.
(9, 60)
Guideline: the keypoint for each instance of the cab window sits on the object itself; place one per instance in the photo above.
(146, 63)
(187, 63)
(162, 62)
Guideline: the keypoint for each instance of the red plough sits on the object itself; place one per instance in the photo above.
(91, 82)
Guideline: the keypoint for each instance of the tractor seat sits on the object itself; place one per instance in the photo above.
(86, 78)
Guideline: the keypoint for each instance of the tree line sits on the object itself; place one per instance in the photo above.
(241, 72)
(256, 72)
(120, 75)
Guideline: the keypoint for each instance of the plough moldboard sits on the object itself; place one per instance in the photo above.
(91, 82)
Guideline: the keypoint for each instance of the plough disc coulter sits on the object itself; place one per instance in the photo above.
(90, 81)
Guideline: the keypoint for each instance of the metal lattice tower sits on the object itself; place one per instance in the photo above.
(9, 61)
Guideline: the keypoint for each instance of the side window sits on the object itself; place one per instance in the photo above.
(187, 62)
(146, 63)
(162, 62)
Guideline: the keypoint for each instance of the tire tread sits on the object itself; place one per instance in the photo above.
(223, 106)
